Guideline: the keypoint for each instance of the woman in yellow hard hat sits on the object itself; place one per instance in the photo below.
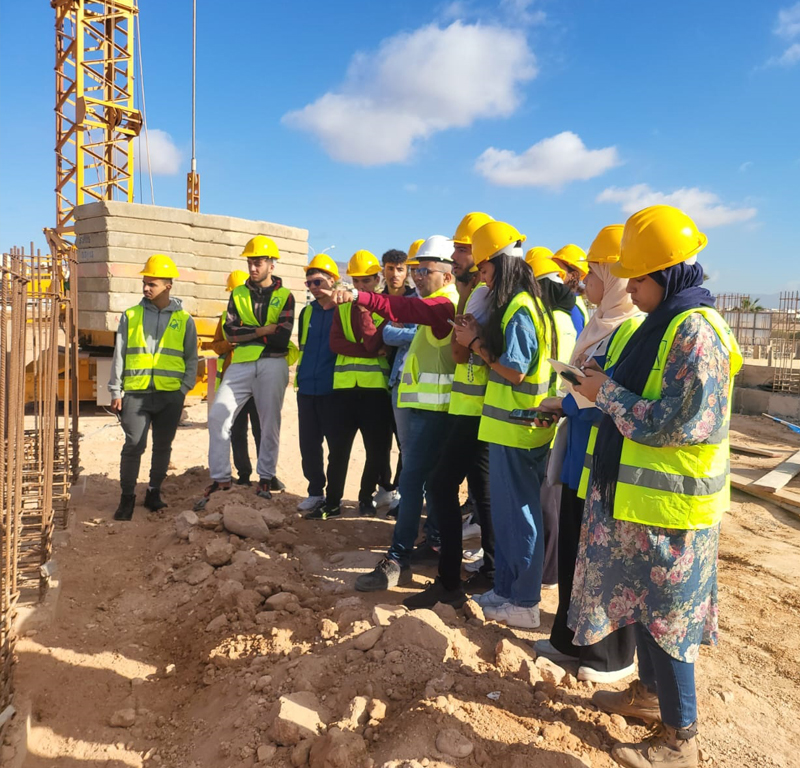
(659, 484)
(572, 259)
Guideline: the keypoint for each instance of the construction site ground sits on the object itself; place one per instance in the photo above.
(157, 658)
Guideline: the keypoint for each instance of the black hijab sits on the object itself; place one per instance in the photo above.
(683, 290)
(556, 295)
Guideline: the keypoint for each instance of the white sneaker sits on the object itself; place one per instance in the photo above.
(470, 555)
(312, 502)
(545, 648)
(513, 615)
(474, 566)
(593, 676)
(470, 529)
(550, 586)
(384, 498)
(489, 599)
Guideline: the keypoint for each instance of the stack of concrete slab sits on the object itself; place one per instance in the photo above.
(115, 239)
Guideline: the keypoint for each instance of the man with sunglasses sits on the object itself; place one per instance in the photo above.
(314, 383)
(258, 323)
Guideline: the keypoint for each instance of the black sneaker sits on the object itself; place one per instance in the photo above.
(244, 481)
(392, 512)
(387, 573)
(434, 593)
(277, 485)
(127, 502)
(215, 486)
(153, 500)
(425, 554)
(366, 508)
(263, 489)
(323, 512)
(479, 582)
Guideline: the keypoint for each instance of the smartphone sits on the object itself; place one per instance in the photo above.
(569, 376)
(519, 414)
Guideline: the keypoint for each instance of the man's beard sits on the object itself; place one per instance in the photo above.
(465, 277)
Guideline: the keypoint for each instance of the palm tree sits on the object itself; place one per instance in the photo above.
(749, 305)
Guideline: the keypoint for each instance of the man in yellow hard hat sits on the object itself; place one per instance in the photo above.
(360, 395)
(258, 323)
(314, 384)
(154, 366)
(572, 259)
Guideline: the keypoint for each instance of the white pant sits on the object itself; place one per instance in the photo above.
(265, 380)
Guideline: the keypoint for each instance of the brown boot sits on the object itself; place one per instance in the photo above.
(634, 701)
(669, 748)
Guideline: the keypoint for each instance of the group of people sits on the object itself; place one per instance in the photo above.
(608, 482)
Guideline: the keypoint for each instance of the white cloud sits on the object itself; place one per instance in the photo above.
(788, 24)
(415, 85)
(788, 58)
(550, 162)
(746, 166)
(704, 207)
(165, 157)
(520, 12)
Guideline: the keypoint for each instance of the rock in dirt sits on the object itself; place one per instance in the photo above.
(446, 612)
(376, 710)
(266, 752)
(529, 672)
(356, 713)
(248, 600)
(328, 629)
(210, 522)
(282, 601)
(384, 615)
(423, 629)
(194, 573)
(184, 523)
(367, 640)
(509, 656)
(295, 717)
(274, 518)
(473, 611)
(228, 591)
(218, 552)
(215, 625)
(245, 522)
(123, 718)
(338, 749)
(299, 755)
(550, 671)
(452, 742)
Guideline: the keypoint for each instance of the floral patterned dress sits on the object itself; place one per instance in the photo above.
(663, 578)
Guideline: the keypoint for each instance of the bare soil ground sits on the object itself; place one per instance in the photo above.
(190, 660)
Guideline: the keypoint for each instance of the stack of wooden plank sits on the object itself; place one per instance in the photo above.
(768, 485)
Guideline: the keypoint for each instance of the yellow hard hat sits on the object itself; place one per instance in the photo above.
(656, 238)
(540, 260)
(412, 252)
(468, 226)
(261, 247)
(574, 256)
(159, 265)
(491, 238)
(323, 263)
(605, 247)
(363, 264)
(235, 279)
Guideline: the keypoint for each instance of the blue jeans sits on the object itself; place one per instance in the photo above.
(515, 477)
(420, 444)
(400, 417)
(671, 679)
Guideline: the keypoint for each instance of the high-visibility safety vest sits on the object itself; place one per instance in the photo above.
(251, 350)
(305, 322)
(686, 486)
(565, 333)
(221, 358)
(581, 305)
(363, 372)
(166, 367)
(469, 382)
(503, 397)
(429, 366)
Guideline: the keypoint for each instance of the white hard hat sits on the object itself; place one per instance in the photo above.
(436, 248)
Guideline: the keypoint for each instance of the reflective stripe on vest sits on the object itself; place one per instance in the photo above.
(683, 487)
(503, 397)
(429, 368)
(167, 366)
(363, 372)
(565, 333)
(305, 322)
(469, 382)
(251, 350)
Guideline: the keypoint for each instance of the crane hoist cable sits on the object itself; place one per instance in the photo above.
(138, 37)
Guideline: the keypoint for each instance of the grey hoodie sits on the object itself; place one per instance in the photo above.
(155, 322)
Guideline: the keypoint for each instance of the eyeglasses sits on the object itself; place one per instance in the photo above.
(424, 271)
(315, 283)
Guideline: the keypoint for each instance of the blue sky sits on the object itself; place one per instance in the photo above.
(373, 124)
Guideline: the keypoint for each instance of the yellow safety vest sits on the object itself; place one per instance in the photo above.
(251, 350)
(166, 367)
(469, 382)
(565, 333)
(221, 358)
(581, 305)
(503, 397)
(363, 372)
(683, 487)
(429, 366)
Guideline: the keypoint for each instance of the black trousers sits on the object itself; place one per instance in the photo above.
(368, 411)
(461, 456)
(241, 453)
(315, 421)
(613, 652)
(140, 411)
(551, 512)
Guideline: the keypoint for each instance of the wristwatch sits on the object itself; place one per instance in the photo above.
(354, 291)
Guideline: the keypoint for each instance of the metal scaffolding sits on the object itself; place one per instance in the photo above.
(786, 344)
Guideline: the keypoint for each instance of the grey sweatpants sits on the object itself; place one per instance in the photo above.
(265, 380)
(163, 411)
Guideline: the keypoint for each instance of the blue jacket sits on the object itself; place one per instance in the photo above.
(315, 372)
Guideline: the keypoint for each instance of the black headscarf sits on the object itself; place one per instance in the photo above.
(557, 295)
(683, 290)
